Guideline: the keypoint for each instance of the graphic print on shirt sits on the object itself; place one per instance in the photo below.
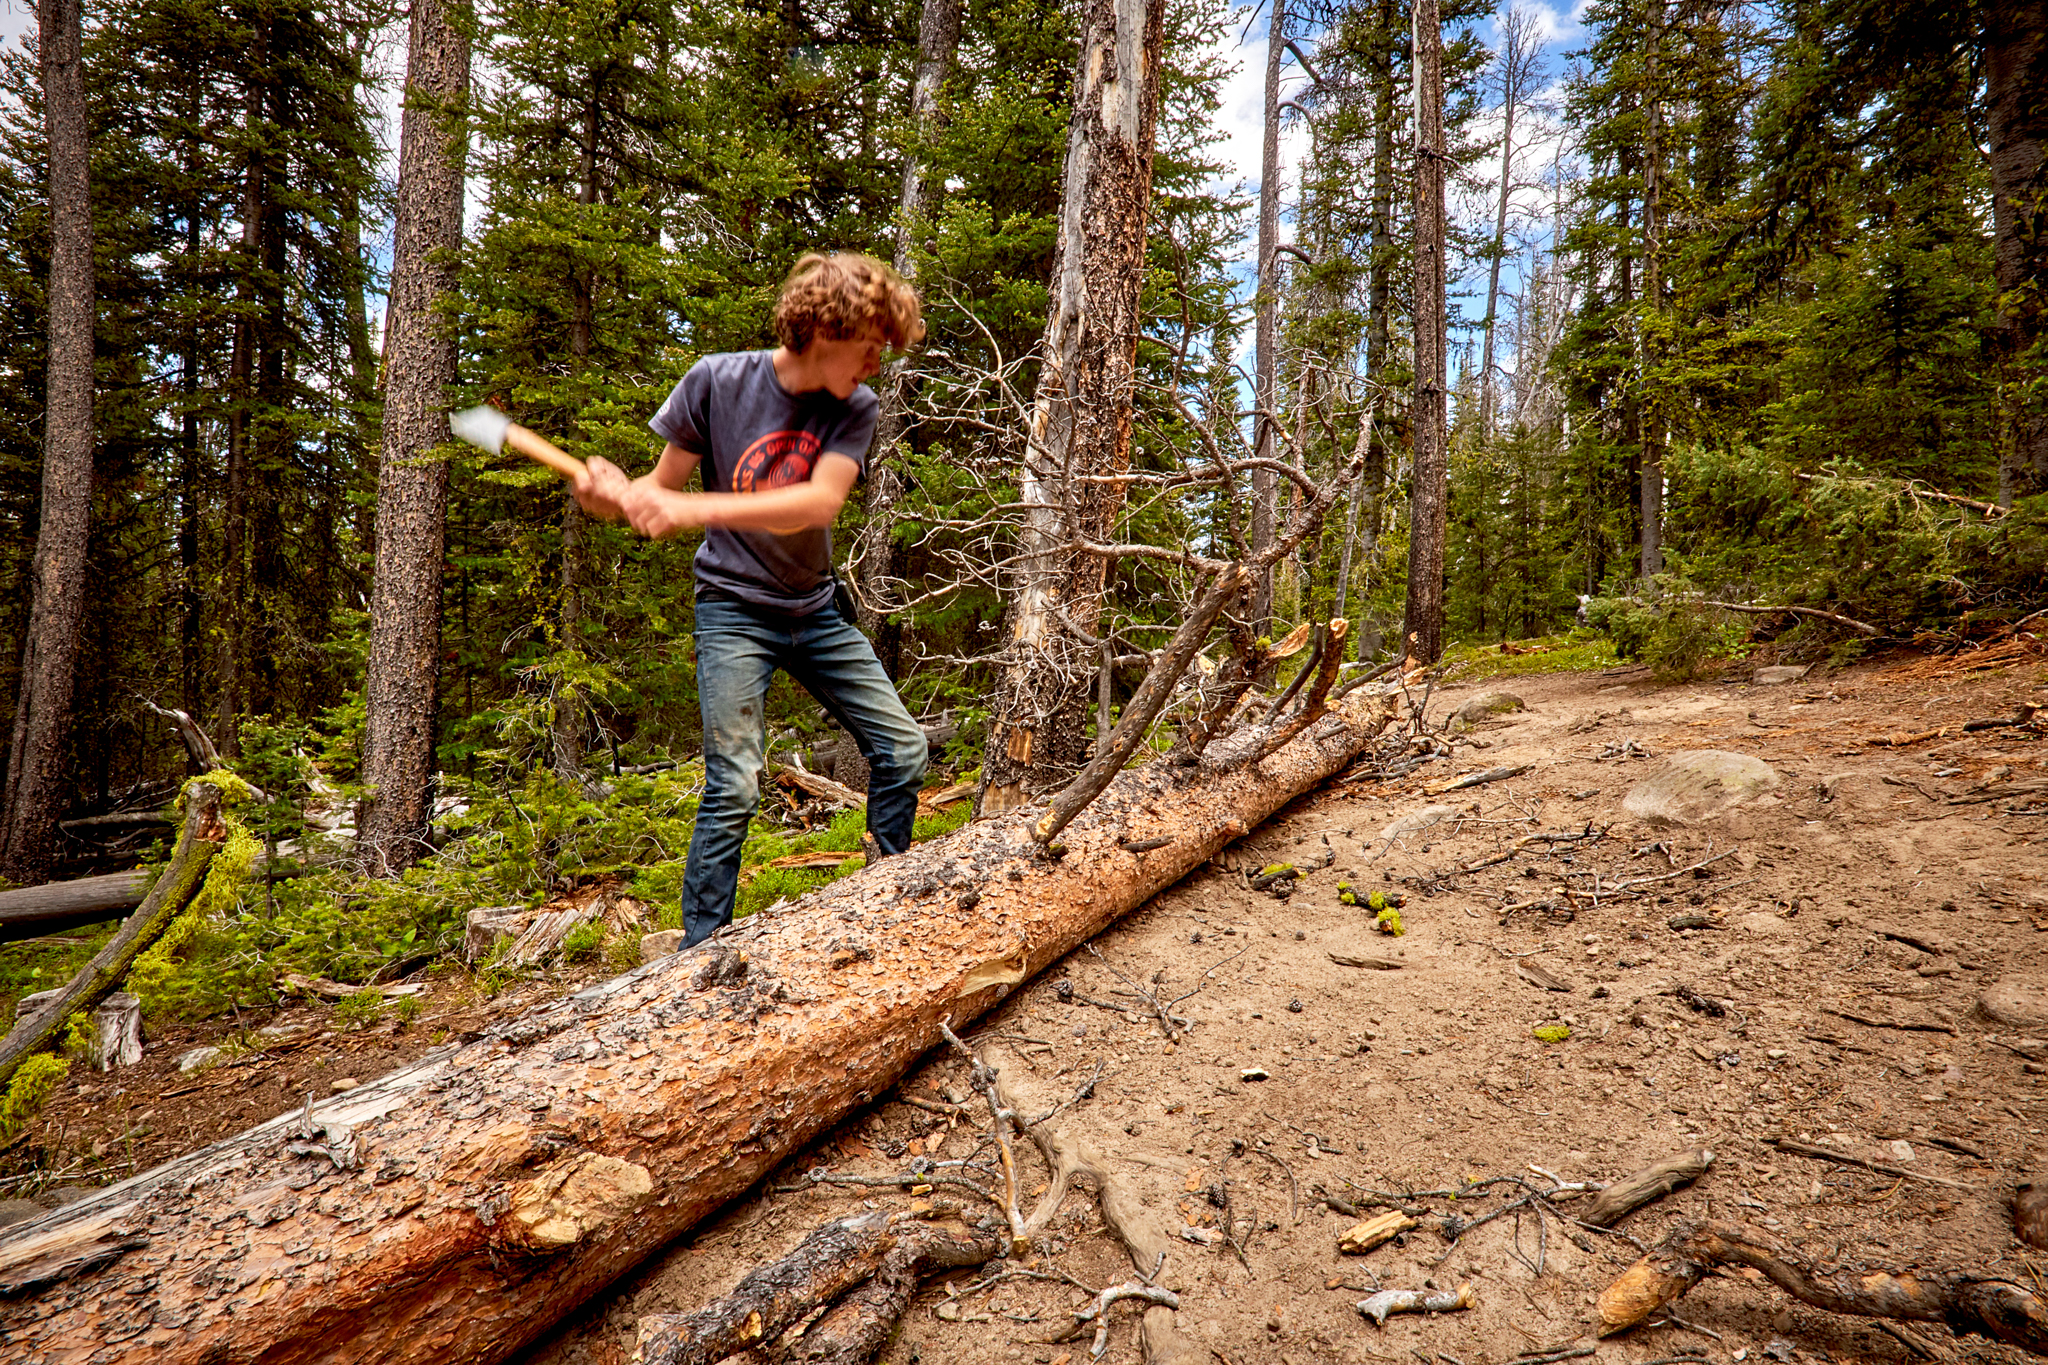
(777, 460)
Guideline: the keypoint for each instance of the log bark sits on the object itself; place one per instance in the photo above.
(1985, 1305)
(705, 1069)
(204, 832)
(35, 910)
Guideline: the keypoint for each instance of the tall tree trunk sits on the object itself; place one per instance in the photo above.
(1517, 55)
(571, 720)
(2016, 88)
(1379, 331)
(875, 558)
(412, 488)
(1265, 488)
(42, 715)
(1650, 483)
(231, 623)
(1424, 627)
(1081, 420)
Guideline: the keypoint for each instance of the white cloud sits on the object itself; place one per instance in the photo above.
(17, 21)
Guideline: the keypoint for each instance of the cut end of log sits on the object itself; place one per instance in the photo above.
(563, 1205)
(1642, 1290)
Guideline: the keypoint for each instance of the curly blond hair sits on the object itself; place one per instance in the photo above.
(837, 296)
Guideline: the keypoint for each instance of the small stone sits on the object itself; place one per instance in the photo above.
(1483, 707)
(1697, 785)
(345, 1083)
(1777, 1054)
(2017, 1004)
(199, 1058)
(660, 944)
(1902, 1150)
(1779, 673)
(1254, 1073)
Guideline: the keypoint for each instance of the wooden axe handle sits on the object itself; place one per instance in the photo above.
(543, 451)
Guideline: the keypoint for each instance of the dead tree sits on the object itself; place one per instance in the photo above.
(1080, 425)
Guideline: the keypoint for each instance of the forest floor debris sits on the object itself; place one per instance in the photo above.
(1421, 1091)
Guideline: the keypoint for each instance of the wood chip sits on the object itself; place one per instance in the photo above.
(1375, 964)
(1536, 976)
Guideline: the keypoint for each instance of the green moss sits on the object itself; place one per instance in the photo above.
(1579, 651)
(28, 1091)
(1276, 869)
(1551, 1033)
(583, 942)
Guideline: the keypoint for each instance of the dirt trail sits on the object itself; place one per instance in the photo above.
(1417, 1078)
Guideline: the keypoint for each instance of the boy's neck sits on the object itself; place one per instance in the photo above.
(795, 372)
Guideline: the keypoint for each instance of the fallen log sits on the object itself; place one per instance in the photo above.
(1984, 1304)
(459, 1207)
(32, 911)
(205, 830)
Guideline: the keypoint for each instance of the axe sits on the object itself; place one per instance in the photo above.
(488, 429)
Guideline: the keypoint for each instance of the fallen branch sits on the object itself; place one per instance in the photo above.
(1379, 1307)
(1375, 964)
(884, 1252)
(802, 778)
(204, 831)
(1791, 1148)
(1969, 1303)
(1481, 779)
(1625, 1196)
(1904, 1025)
(1991, 510)
(1860, 627)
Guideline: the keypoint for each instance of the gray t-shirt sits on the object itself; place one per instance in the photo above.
(753, 434)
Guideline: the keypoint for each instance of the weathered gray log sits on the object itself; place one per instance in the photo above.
(32, 911)
(204, 832)
(396, 1222)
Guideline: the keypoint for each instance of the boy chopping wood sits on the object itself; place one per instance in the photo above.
(781, 437)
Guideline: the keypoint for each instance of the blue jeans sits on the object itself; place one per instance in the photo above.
(738, 650)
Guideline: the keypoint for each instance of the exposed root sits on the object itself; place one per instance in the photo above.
(1982, 1304)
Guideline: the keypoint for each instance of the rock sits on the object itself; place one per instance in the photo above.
(2015, 1003)
(1763, 922)
(345, 1083)
(660, 944)
(1780, 673)
(2030, 1211)
(282, 1033)
(1902, 1150)
(490, 926)
(1859, 791)
(1691, 787)
(200, 1058)
(19, 1211)
(1409, 824)
(1485, 706)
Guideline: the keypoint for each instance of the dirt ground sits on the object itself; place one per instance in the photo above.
(1383, 1085)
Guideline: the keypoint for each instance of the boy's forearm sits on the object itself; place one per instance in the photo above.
(798, 507)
